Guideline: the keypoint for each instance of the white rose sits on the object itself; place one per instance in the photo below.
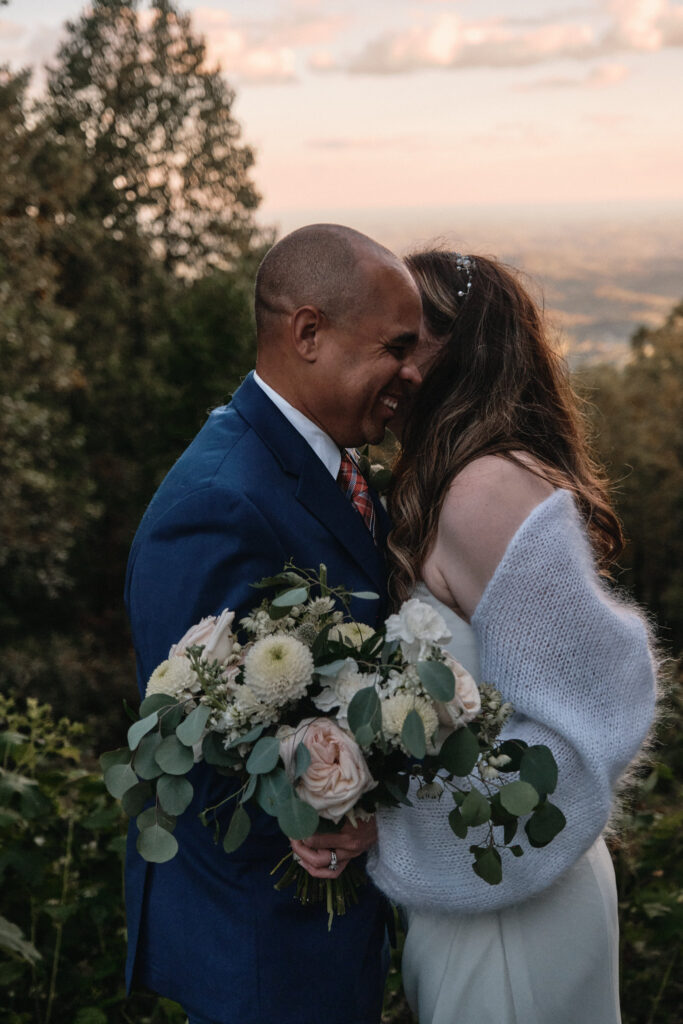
(337, 775)
(213, 633)
(465, 704)
(417, 625)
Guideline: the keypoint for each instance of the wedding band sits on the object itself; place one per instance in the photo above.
(332, 866)
(296, 858)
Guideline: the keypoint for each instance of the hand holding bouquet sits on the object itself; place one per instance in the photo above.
(321, 720)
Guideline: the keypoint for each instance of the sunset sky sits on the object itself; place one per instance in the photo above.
(355, 104)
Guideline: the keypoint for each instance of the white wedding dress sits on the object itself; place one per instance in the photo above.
(550, 959)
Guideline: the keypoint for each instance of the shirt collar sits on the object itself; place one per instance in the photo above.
(321, 443)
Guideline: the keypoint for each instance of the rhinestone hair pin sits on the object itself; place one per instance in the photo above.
(467, 264)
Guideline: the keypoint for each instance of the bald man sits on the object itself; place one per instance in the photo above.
(337, 320)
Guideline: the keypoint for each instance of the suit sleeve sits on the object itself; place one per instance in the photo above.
(199, 557)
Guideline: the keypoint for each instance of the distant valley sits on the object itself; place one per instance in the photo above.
(600, 270)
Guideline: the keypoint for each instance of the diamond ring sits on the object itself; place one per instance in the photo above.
(332, 866)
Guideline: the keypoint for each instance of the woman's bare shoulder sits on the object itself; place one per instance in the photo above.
(485, 506)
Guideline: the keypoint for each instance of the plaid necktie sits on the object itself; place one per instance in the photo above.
(355, 487)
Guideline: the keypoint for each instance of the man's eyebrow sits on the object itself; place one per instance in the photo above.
(407, 338)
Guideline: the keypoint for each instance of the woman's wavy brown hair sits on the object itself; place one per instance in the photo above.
(496, 387)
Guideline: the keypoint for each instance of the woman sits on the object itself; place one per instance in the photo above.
(502, 523)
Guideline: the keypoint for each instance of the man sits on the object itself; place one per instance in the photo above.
(337, 320)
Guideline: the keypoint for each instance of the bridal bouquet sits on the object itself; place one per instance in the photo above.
(321, 719)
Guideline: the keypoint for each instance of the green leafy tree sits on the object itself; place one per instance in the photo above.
(45, 494)
(158, 127)
(640, 437)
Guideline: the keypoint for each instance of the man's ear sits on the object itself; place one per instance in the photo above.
(305, 324)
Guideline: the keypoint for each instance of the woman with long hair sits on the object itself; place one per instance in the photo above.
(502, 522)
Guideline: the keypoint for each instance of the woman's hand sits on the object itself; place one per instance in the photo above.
(315, 853)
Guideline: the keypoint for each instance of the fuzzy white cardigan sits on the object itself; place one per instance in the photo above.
(576, 663)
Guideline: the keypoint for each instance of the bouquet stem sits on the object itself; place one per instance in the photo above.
(336, 893)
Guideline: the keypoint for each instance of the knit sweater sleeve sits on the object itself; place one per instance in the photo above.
(575, 661)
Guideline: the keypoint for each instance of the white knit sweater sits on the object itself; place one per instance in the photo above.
(576, 663)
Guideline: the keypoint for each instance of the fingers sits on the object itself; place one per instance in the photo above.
(319, 862)
(351, 840)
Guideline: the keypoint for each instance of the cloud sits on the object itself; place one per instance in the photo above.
(596, 78)
(265, 51)
(365, 142)
(445, 40)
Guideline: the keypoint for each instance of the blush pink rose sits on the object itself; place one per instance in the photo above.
(214, 633)
(337, 775)
(466, 702)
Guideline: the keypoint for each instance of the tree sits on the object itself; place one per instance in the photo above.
(41, 455)
(159, 131)
(640, 437)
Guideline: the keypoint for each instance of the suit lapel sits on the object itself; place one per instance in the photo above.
(316, 489)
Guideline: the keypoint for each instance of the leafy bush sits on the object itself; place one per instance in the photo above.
(62, 927)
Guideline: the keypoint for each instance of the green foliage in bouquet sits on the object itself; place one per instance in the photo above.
(397, 704)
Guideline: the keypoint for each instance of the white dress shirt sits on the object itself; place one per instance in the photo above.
(321, 443)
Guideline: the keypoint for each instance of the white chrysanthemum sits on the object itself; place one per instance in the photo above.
(174, 677)
(278, 669)
(395, 710)
(340, 691)
(355, 633)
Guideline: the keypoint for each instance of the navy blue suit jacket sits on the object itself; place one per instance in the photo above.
(207, 928)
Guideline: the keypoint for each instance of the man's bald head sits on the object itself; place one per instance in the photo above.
(321, 265)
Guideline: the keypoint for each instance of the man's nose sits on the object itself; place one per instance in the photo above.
(410, 373)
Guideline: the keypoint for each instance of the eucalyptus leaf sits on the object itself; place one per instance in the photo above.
(290, 597)
(437, 679)
(302, 759)
(475, 809)
(413, 735)
(155, 702)
(489, 867)
(272, 790)
(394, 789)
(170, 718)
(459, 752)
(144, 761)
(516, 851)
(173, 757)
(190, 731)
(364, 735)
(141, 728)
(544, 824)
(215, 753)
(539, 769)
(248, 737)
(365, 710)
(112, 757)
(519, 798)
(365, 595)
(457, 824)
(331, 669)
(510, 829)
(157, 845)
(250, 788)
(135, 798)
(238, 830)
(155, 816)
(298, 820)
(119, 779)
(264, 756)
(175, 793)
(515, 751)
